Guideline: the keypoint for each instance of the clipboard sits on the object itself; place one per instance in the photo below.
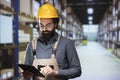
(31, 69)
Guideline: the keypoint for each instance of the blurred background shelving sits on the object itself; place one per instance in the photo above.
(18, 26)
(108, 34)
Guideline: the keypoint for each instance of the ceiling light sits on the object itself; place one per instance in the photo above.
(90, 10)
(90, 18)
(90, 0)
(90, 22)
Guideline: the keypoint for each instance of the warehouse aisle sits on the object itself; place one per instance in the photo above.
(98, 63)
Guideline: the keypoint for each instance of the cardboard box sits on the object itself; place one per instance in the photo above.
(6, 3)
(26, 30)
(118, 5)
(51, 1)
(6, 29)
(25, 6)
(35, 7)
(22, 57)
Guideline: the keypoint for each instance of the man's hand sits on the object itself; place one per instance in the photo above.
(27, 74)
(47, 70)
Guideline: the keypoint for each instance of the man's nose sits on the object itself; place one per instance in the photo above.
(44, 28)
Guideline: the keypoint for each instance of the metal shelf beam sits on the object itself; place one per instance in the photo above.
(15, 34)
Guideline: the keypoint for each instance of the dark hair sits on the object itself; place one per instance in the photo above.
(56, 21)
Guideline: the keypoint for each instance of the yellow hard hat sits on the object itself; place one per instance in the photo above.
(47, 11)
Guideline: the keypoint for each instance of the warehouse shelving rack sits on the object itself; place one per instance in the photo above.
(15, 46)
(109, 30)
(12, 12)
(74, 27)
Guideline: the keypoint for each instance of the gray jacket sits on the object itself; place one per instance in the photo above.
(66, 55)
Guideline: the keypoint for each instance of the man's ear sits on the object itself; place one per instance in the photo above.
(55, 26)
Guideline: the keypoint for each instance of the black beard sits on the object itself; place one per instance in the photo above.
(47, 35)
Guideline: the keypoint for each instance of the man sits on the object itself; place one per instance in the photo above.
(51, 49)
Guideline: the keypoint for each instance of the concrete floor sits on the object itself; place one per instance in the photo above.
(97, 63)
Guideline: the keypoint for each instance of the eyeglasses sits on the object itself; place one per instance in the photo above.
(49, 25)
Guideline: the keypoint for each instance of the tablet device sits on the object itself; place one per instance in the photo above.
(31, 69)
(40, 66)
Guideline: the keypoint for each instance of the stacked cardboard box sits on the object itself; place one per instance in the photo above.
(25, 7)
(26, 33)
(6, 3)
(35, 7)
(6, 29)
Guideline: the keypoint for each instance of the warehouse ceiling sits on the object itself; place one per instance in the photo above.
(80, 9)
